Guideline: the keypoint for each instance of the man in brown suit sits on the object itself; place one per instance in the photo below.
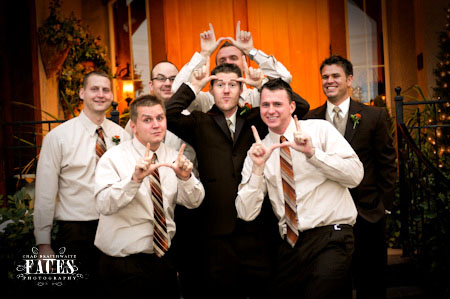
(367, 130)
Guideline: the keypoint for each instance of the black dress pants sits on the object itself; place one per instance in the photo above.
(317, 267)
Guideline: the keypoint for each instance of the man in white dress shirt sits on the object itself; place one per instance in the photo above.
(65, 177)
(162, 76)
(313, 258)
(133, 263)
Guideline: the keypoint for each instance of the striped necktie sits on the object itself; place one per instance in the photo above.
(160, 236)
(100, 146)
(290, 206)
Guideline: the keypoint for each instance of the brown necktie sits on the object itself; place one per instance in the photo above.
(160, 236)
(100, 146)
(290, 205)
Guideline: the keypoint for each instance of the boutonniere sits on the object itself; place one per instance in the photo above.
(355, 118)
(247, 107)
(116, 139)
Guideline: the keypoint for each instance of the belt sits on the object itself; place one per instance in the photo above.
(323, 229)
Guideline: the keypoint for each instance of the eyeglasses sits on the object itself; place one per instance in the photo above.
(163, 78)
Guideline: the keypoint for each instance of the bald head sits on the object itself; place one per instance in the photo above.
(163, 74)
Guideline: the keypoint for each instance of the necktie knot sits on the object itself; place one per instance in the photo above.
(283, 139)
(100, 146)
(337, 111)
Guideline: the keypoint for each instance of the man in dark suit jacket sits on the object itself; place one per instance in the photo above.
(230, 254)
(367, 130)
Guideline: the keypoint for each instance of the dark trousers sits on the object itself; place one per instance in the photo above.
(317, 267)
(139, 276)
(233, 266)
(76, 238)
(370, 259)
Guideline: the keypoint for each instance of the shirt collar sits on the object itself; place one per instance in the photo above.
(91, 127)
(140, 149)
(288, 133)
(344, 106)
(233, 120)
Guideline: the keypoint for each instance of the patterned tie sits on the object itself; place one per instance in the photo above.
(160, 236)
(229, 123)
(338, 121)
(290, 206)
(100, 146)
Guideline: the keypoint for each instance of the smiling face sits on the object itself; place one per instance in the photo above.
(163, 75)
(150, 125)
(226, 91)
(96, 95)
(276, 110)
(335, 83)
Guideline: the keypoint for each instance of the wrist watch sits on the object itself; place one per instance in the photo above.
(252, 53)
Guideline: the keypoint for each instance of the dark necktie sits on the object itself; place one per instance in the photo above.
(229, 123)
(290, 205)
(160, 236)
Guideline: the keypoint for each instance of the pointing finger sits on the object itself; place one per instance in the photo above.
(211, 28)
(297, 124)
(147, 151)
(180, 152)
(255, 134)
(238, 29)
(244, 63)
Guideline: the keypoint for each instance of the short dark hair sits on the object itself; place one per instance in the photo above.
(163, 61)
(228, 44)
(276, 84)
(338, 60)
(145, 100)
(226, 68)
(97, 73)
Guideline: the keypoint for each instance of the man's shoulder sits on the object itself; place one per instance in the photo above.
(64, 129)
(314, 113)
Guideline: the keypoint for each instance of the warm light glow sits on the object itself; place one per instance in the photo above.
(127, 88)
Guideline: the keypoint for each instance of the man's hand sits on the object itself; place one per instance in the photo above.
(259, 153)
(302, 141)
(144, 166)
(208, 42)
(244, 40)
(182, 166)
(253, 77)
(200, 77)
(46, 251)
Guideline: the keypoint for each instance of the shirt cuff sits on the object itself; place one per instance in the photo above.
(255, 181)
(42, 237)
(260, 57)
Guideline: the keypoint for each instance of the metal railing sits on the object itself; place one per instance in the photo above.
(424, 187)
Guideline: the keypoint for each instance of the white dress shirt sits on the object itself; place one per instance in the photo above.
(126, 222)
(321, 182)
(269, 66)
(65, 173)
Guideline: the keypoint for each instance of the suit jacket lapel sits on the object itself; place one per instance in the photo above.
(219, 118)
(239, 124)
(349, 131)
(320, 112)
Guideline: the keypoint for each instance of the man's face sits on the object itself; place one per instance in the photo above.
(276, 110)
(226, 91)
(161, 85)
(230, 54)
(335, 83)
(150, 126)
(97, 95)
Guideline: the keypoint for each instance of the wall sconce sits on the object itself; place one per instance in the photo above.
(128, 90)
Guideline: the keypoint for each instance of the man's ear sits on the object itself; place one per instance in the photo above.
(81, 93)
(292, 106)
